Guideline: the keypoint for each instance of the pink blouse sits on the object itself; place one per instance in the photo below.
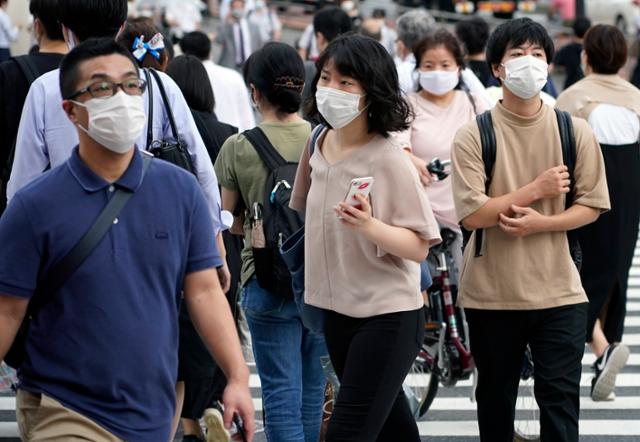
(431, 135)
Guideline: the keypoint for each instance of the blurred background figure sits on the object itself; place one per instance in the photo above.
(388, 35)
(8, 31)
(568, 58)
(328, 24)
(228, 85)
(412, 26)
(612, 107)
(351, 7)
(238, 37)
(563, 10)
(182, 16)
(473, 33)
(265, 18)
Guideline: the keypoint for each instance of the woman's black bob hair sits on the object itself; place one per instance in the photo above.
(368, 62)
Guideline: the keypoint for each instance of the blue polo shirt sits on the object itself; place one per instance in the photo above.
(106, 345)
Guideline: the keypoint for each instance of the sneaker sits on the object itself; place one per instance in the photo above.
(215, 426)
(607, 368)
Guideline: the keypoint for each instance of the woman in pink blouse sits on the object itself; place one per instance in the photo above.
(441, 107)
(362, 261)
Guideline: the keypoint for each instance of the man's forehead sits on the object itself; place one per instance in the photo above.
(113, 66)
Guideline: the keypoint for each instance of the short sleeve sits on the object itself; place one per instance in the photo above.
(225, 165)
(590, 186)
(398, 198)
(302, 183)
(21, 252)
(203, 251)
(468, 176)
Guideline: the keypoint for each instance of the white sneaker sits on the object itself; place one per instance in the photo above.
(607, 368)
(216, 432)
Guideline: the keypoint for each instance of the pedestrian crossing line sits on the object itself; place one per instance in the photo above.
(9, 429)
(633, 293)
(631, 321)
(623, 380)
(590, 358)
(633, 306)
(634, 282)
(631, 338)
(587, 428)
(586, 403)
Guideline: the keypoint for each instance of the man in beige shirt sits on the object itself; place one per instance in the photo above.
(525, 288)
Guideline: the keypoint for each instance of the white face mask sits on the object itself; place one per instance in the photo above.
(115, 122)
(338, 108)
(525, 76)
(439, 82)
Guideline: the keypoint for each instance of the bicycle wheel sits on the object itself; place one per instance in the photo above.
(527, 423)
(421, 385)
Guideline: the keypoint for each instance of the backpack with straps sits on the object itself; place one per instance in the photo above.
(568, 143)
(277, 221)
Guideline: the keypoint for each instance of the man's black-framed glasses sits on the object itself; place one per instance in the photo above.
(106, 88)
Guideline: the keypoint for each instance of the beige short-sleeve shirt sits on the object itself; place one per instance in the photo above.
(534, 272)
(344, 271)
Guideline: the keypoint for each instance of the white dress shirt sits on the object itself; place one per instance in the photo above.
(46, 137)
(8, 32)
(233, 105)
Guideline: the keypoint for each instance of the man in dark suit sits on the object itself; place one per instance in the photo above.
(238, 36)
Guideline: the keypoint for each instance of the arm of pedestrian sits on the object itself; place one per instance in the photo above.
(209, 310)
(223, 271)
(31, 157)
(528, 221)
(12, 312)
(230, 200)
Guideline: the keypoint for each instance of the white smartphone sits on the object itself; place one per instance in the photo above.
(359, 186)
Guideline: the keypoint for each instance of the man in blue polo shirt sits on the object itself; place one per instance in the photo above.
(101, 354)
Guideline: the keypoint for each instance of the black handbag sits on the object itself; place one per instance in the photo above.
(173, 151)
(62, 270)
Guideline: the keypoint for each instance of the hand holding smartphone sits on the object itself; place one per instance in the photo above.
(359, 186)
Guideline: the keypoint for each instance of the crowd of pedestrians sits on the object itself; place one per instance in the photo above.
(148, 190)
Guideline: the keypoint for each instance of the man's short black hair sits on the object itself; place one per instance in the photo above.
(515, 33)
(368, 62)
(473, 33)
(92, 48)
(581, 26)
(47, 12)
(196, 43)
(331, 22)
(93, 18)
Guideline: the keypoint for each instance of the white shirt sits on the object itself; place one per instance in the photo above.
(187, 15)
(233, 105)
(266, 21)
(614, 125)
(46, 137)
(8, 32)
(245, 41)
(409, 79)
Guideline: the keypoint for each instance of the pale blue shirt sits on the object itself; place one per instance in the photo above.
(46, 137)
(8, 32)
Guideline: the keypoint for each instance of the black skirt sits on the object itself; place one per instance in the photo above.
(608, 244)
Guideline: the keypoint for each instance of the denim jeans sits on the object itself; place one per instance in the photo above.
(288, 360)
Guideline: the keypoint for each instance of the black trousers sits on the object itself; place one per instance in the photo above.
(498, 342)
(372, 357)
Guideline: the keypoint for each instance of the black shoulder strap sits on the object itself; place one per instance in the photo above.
(150, 113)
(63, 270)
(568, 141)
(269, 155)
(488, 141)
(167, 106)
(28, 68)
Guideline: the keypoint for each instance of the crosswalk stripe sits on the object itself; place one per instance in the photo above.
(631, 321)
(605, 427)
(633, 306)
(465, 404)
(623, 380)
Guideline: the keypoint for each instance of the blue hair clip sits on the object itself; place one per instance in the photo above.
(153, 47)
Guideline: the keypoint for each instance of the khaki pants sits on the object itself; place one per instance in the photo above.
(43, 419)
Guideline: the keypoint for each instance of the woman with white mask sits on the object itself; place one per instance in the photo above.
(363, 254)
(441, 107)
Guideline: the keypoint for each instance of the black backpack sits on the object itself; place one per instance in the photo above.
(568, 142)
(278, 220)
